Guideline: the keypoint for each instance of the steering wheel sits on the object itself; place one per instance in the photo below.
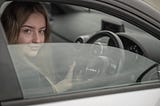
(99, 65)
(117, 43)
(114, 37)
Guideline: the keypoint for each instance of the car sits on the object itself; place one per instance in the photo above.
(101, 52)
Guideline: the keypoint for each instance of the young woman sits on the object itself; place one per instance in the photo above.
(25, 22)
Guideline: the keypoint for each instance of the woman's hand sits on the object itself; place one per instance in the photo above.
(67, 82)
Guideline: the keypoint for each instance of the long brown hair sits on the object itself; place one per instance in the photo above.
(16, 14)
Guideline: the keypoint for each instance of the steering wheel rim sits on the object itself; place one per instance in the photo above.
(117, 41)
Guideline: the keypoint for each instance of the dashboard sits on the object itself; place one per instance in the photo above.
(135, 42)
(129, 45)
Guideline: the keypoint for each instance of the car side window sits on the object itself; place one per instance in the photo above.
(88, 50)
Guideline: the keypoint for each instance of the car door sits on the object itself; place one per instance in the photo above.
(74, 69)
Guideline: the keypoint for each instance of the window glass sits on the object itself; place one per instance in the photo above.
(67, 67)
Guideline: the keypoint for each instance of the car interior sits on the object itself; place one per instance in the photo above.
(77, 24)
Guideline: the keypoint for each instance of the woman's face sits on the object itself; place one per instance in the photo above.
(32, 33)
(33, 30)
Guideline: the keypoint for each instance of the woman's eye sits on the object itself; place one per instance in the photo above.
(27, 31)
(42, 32)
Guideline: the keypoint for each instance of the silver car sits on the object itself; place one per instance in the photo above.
(101, 52)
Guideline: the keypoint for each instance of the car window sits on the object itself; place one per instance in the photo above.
(73, 62)
(66, 67)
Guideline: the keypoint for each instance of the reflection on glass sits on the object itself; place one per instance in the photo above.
(53, 68)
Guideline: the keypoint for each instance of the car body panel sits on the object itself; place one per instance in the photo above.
(151, 98)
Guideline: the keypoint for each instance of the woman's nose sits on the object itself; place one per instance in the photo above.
(36, 38)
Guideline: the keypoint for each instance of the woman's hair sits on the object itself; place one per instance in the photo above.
(16, 14)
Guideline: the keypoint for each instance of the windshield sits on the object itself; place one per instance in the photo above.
(57, 68)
